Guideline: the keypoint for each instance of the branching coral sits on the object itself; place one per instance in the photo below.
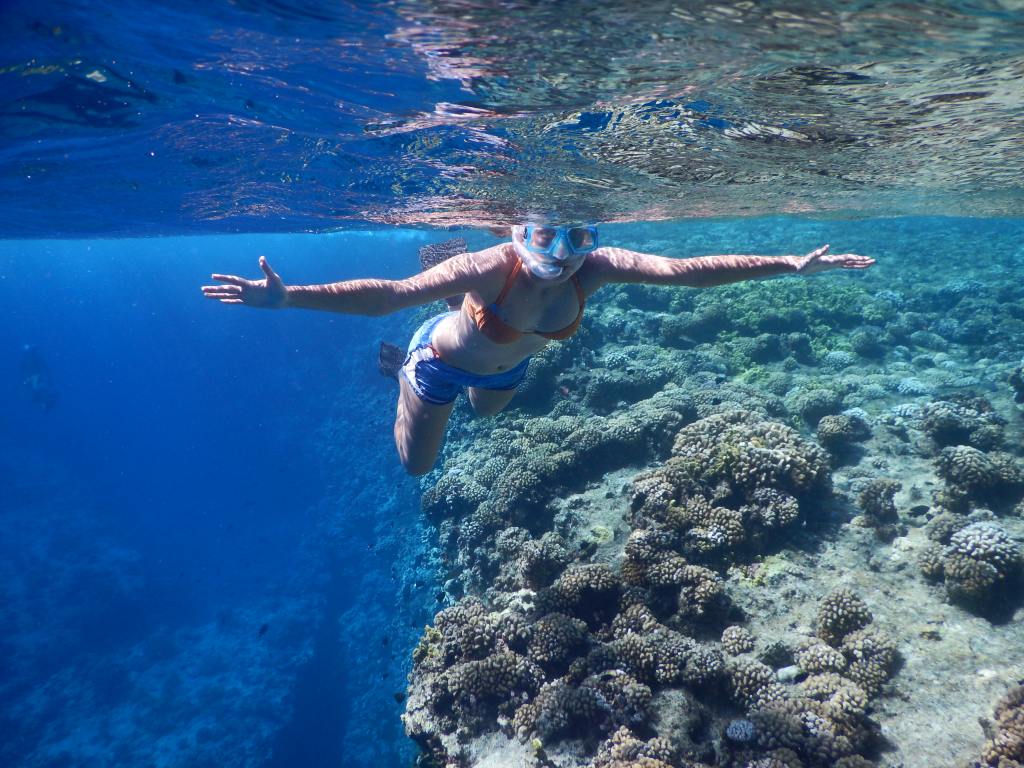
(748, 452)
(737, 640)
(555, 640)
(588, 592)
(1005, 747)
(732, 481)
(972, 475)
(839, 433)
(876, 501)
(962, 421)
(840, 613)
(684, 589)
(476, 691)
(979, 563)
(624, 750)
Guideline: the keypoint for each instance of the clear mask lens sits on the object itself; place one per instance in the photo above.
(543, 241)
(582, 239)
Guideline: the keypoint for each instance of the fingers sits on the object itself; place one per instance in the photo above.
(819, 252)
(853, 261)
(268, 270)
(846, 260)
(224, 298)
(233, 279)
(222, 291)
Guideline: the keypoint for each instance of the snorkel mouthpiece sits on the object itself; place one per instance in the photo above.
(542, 270)
(548, 251)
(537, 268)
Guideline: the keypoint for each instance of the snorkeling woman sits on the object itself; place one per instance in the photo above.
(516, 297)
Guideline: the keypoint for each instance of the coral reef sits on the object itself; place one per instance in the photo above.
(628, 544)
(975, 477)
(822, 720)
(624, 750)
(841, 612)
(980, 564)
(733, 481)
(840, 433)
(962, 420)
(737, 640)
(1005, 747)
(596, 645)
(876, 501)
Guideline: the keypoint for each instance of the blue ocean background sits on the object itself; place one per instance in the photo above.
(209, 545)
(219, 478)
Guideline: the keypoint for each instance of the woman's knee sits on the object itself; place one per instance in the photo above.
(417, 466)
(487, 409)
(489, 402)
(417, 470)
(417, 458)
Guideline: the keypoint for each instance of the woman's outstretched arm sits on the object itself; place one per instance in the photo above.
(617, 265)
(359, 297)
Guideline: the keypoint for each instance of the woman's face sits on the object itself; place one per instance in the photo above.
(553, 252)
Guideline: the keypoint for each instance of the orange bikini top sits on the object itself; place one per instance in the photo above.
(489, 321)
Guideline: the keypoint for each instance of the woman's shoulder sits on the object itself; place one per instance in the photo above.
(500, 255)
(492, 266)
(595, 271)
(481, 272)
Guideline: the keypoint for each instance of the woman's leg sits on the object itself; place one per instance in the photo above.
(419, 429)
(487, 402)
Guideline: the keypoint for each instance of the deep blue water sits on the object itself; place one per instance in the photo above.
(180, 480)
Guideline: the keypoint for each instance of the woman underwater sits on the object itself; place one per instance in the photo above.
(518, 296)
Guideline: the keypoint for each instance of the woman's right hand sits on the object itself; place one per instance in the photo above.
(269, 293)
(820, 260)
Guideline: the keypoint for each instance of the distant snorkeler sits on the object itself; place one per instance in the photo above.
(35, 377)
(506, 303)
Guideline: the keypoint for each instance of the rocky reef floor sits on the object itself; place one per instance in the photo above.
(765, 526)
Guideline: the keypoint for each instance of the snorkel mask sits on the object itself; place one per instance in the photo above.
(549, 251)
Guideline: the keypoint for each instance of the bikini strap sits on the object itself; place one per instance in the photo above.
(580, 296)
(508, 282)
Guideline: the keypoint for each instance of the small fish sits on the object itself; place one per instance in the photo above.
(384, 641)
(399, 697)
(264, 628)
(563, 390)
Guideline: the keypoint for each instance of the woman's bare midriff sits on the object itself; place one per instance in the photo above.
(460, 343)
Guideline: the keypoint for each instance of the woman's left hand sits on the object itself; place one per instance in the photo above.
(821, 260)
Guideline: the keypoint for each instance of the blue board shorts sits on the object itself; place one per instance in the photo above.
(436, 382)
